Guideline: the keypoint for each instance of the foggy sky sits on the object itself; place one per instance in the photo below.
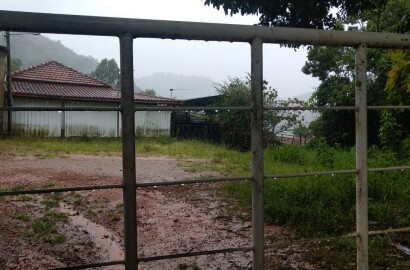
(216, 60)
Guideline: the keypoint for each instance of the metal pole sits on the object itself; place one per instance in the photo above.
(106, 26)
(128, 152)
(257, 152)
(361, 160)
(9, 88)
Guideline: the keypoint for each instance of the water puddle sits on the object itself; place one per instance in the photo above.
(104, 240)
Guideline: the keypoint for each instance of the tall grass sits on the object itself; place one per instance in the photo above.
(325, 205)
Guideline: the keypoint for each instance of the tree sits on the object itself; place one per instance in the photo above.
(235, 125)
(149, 92)
(298, 13)
(108, 71)
(335, 68)
(15, 64)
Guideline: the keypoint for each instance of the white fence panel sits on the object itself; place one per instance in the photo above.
(83, 123)
(36, 123)
(92, 123)
(152, 123)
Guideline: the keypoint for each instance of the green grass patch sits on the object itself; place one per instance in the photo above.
(44, 228)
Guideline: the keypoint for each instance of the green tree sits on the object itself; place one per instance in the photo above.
(335, 68)
(108, 71)
(235, 125)
(15, 64)
(298, 13)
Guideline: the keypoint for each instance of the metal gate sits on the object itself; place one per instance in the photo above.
(129, 29)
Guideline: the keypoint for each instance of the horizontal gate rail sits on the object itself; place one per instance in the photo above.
(209, 108)
(91, 265)
(193, 254)
(53, 190)
(194, 181)
(63, 109)
(138, 28)
(165, 182)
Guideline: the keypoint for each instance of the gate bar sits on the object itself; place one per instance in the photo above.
(109, 26)
(361, 159)
(128, 152)
(257, 153)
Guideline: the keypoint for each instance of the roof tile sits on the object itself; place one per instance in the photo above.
(54, 80)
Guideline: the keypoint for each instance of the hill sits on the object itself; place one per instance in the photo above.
(36, 49)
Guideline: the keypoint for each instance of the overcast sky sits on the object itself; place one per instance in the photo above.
(216, 60)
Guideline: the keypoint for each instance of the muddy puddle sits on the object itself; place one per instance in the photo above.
(105, 241)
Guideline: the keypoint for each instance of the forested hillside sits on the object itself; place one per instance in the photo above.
(36, 49)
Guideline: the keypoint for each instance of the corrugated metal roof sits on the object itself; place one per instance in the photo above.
(56, 81)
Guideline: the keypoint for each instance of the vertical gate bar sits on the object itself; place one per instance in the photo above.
(257, 153)
(361, 159)
(128, 152)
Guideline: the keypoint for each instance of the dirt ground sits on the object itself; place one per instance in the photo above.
(178, 219)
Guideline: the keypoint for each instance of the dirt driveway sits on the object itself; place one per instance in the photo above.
(89, 224)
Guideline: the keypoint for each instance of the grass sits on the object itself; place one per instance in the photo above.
(44, 228)
(309, 206)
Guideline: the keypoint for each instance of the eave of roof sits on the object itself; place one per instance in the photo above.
(53, 80)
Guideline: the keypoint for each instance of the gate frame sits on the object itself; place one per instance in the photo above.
(129, 29)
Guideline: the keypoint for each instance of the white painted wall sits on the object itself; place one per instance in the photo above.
(101, 124)
(36, 123)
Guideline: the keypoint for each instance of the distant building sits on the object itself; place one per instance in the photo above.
(52, 85)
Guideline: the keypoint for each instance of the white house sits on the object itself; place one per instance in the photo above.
(52, 84)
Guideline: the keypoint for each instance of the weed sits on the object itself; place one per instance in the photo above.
(44, 228)
(48, 185)
(50, 203)
(183, 266)
(24, 218)
(91, 213)
(25, 198)
(78, 201)
(18, 188)
(114, 216)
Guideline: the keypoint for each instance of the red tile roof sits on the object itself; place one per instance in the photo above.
(56, 81)
(58, 73)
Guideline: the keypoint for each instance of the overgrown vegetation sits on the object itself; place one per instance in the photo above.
(310, 206)
(235, 126)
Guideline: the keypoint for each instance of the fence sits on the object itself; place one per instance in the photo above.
(129, 29)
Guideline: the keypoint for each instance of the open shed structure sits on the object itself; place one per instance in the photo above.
(52, 84)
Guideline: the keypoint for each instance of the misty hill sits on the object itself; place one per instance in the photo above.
(162, 83)
(36, 49)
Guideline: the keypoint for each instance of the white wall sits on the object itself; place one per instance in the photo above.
(36, 123)
(92, 123)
